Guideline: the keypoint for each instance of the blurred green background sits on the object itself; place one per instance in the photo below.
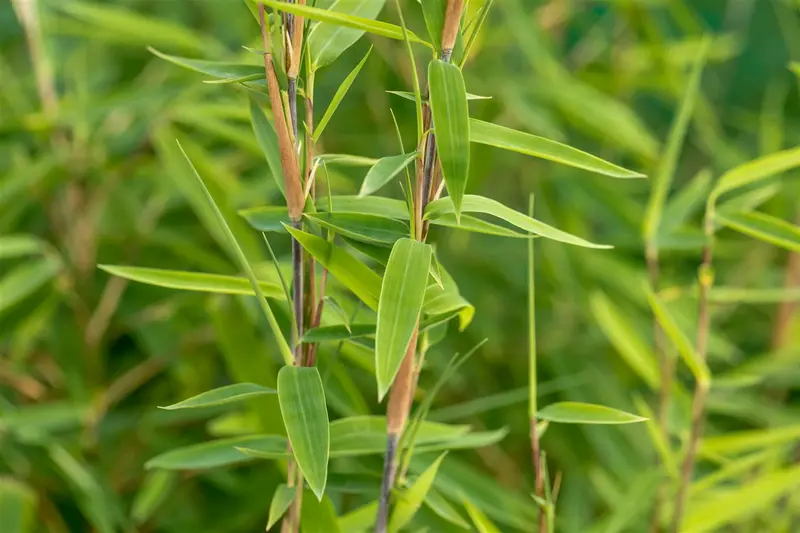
(87, 176)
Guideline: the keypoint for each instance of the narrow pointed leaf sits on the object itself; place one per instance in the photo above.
(685, 203)
(227, 394)
(305, 415)
(765, 228)
(585, 413)
(517, 141)
(406, 95)
(215, 69)
(401, 297)
(216, 453)
(339, 95)
(376, 27)
(480, 204)
(193, 281)
(373, 229)
(318, 516)
(351, 272)
(410, 500)
(678, 339)
(338, 333)
(152, 493)
(383, 171)
(729, 295)
(665, 173)
(480, 520)
(757, 170)
(451, 124)
(439, 505)
(268, 141)
(21, 245)
(281, 500)
(25, 279)
(244, 265)
(271, 219)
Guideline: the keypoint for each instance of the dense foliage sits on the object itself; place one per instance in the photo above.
(143, 387)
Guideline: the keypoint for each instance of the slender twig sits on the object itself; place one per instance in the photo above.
(706, 280)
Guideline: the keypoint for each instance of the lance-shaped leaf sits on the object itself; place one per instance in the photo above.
(351, 272)
(480, 204)
(193, 281)
(268, 141)
(401, 297)
(305, 416)
(216, 69)
(376, 27)
(222, 395)
(383, 171)
(267, 218)
(327, 41)
(216, 453)
(757, 170)
(409, 502)
(339, 95)
(281, 500)
(517, 141)
(373, 229)
(451, 124)
(586, 413)
(765, 228)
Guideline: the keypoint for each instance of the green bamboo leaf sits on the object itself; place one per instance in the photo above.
(267, 218)
(686, 203)
(480, 204)
(667, 322)
(327, 41)
(434, 13)
(216, 69)
(734, 443)
(516, 141)
(407, 95)
(383, 171)
(351, 272)
(659, 440)
(480, 520)
(281, 500)
(18, 503)
(451, 124)
(154, 490)
(586, 413)
(348, 160)
(373, 229)
(27, 278)
(221, 452)
(338, 333)
(795, 67)
(402, 294)
(410, 500)
(728, 295)
(193, 281)
(21, 245)
(341, 91)
(305, 415)
(750, 499)
(128, 26)
(359, 520)
(665, 172)
(268, 141)
(366, 435)
(383, 29)
(222, 395)
(757, 170)
(625, 338)
(764, 228)
(243, 264)
(748, 200)
(442, 301)
(439, 505)
(318, 516)
(477, 439)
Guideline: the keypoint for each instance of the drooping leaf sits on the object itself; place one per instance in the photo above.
(215, 69)
(480, 204)
(383, 171)
(373, 229)
(268, 218)
(268, 141)
(377, 27)
(193, 281)
(410, 500)
(678, 339)
(757, 170)
(451, 124)
(343, 88)
(351, 272)
(305, 415)
(765, 228)
(585, 413)
(18, 503)
(669, 159)
(220, 452)
(517, 141)
(281, 500)
(222, 395)
(401, 297)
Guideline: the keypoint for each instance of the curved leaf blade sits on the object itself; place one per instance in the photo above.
(222, 395)
(764, 228)
(216, 69)
(373, 229)
(339, 95)
(517, 141)
(401, 298)
(757, 170)
(383, 171)
(216, 453)
(305, 416)
(586, 413)
(451, 124)
(411, 500)
(281, 500)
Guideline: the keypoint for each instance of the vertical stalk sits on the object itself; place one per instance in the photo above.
(706, 280)
(533, 380)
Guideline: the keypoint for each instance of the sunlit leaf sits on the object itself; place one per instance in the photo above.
(765, 228)
(480, 520)
(585, 413)
(227, 394)
(743, 441)
(281, 500)
(306, 418)
(410, 500)
(343, 88)
(757, 170)
(401, 297)
(729, 295)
